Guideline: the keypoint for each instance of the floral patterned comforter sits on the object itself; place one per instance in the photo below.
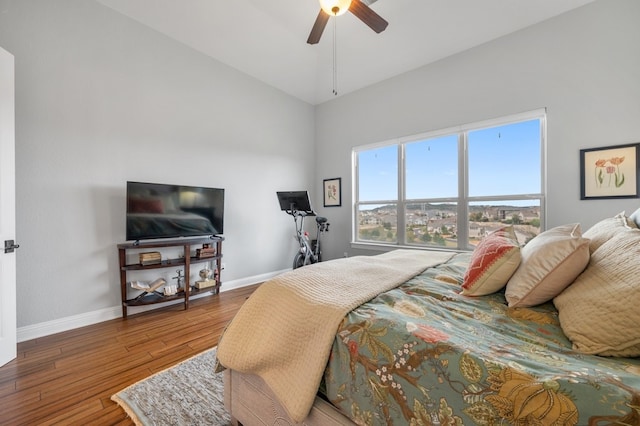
(422, 354)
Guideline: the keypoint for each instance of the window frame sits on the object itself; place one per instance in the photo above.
(462, 200)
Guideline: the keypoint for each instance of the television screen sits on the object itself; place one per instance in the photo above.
(291, 201)
(156, 210)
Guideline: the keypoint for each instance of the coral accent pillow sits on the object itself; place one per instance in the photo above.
(602, 231)
(599, 311)
(550, 262)
(494, 260)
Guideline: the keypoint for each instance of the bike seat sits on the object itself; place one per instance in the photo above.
(321, 219)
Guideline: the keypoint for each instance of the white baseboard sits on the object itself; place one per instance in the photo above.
(47, 328)
(243, 282)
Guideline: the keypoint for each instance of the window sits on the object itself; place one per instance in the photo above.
(450, 188)
(378, 220)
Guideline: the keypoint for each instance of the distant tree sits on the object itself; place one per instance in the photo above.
(535, 222)
(426, 237)
(411, 234)
(476, 217)
(386, 225)
(515, 219)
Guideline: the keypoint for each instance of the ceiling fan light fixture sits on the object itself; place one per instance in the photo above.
(335, 7)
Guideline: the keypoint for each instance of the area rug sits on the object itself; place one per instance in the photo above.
(189, 393)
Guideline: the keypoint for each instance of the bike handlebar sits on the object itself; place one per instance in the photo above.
(300, 213)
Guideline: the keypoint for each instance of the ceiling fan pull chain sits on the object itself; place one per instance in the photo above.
(335, 57)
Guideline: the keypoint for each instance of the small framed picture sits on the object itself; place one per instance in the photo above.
(609, 172)
(332, 192)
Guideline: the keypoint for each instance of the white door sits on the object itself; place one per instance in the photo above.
(8, 330)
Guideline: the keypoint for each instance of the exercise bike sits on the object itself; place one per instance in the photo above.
(296, 204)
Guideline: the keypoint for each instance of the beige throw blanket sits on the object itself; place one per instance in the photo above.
(284, 331)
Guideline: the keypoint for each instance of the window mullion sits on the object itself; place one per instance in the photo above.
(543, 171)
(462, 221)
(355, 177)
(401, 206)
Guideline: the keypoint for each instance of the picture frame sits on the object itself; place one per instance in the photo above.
(332, 190)
(609, 172)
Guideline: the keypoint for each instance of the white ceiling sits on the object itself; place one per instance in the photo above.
(267, 38)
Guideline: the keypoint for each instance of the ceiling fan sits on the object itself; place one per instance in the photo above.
(338, 7)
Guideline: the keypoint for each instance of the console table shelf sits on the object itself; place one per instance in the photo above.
(182, 262)
(169, 263)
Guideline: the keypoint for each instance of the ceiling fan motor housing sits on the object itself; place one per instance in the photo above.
(331, 8)
(335, 7)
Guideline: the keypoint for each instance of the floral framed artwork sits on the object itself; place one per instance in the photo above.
(332, 192)
(609, 172)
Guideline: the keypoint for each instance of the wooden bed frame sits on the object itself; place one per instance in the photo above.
(250, 402)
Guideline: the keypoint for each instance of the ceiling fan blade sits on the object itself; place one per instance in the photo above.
(368, 16)
(318, 27)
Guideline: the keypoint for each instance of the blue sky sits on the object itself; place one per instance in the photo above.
(502, 160)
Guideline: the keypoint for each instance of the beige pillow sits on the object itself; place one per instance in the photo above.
(600, 311)
(550, 262)
(602, 231)
(494, 260)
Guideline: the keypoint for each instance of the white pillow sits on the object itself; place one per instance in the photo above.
(635, 217)
(550, 262)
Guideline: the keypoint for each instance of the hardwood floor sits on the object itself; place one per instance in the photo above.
(68, 378)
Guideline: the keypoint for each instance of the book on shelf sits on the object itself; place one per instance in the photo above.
(150, 258)
(205, 283)
(205, 252)
(148, 287)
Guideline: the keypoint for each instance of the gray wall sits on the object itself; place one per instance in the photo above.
(101, 99)
(583, 66)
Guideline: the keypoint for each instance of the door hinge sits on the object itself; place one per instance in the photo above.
(10, 246)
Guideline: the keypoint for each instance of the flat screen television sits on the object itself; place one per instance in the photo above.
(156, 210)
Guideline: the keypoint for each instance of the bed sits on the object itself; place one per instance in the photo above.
(541, 334)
